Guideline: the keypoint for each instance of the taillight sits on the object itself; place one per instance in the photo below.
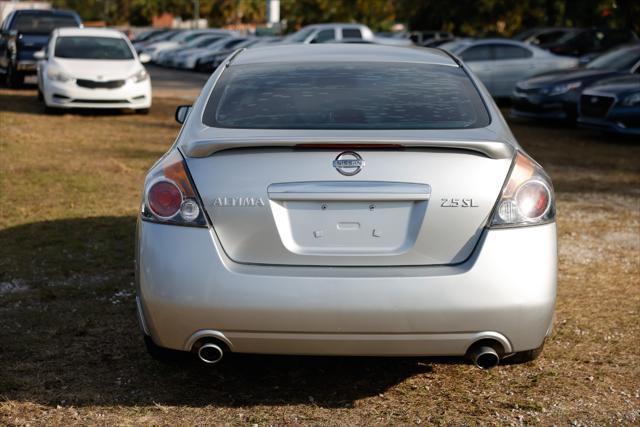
(164, 199)
(169, 196)
(527, 197)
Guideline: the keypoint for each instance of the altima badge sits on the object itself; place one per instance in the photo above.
(232, 202)
(348, 163)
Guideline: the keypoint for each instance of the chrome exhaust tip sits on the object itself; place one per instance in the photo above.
(210, 353)
(484, 356)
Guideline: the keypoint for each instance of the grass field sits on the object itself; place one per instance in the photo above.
(71, 351)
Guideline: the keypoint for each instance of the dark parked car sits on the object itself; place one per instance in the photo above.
(555, 95)
(208, 63)
(544, 35)
(586, 41)
(612, 105)
(23, 33)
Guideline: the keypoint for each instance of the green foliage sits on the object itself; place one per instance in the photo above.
(466, 17)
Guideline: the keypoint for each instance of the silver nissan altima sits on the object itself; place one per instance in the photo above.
(354, 200)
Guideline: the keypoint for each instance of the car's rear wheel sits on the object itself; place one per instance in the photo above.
(40, 95)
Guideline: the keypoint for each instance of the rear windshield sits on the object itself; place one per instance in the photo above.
(92, 48)
(42, 23)
(345, 96)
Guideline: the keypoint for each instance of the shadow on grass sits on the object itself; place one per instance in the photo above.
(71, 337)
(25, 100)
(20, 101)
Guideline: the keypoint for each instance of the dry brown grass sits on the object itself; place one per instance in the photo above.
(71, 351)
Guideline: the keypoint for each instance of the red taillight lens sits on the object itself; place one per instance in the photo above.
(169, 196)
(533, 199)
(164, 199)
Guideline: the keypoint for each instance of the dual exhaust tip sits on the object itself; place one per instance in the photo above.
(485, 355)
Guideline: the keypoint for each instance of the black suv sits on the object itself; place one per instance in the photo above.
(23, 33)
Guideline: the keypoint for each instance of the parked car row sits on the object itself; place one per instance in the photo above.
(543, 85)
(204, 50)
(605, 93)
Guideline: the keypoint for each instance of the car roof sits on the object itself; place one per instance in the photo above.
(335, 25)
(343, 53)
(89, 32)
(498, 40)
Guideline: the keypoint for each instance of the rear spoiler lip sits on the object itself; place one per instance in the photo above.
(205, 148)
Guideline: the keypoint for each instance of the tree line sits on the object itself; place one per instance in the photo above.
(463, 17)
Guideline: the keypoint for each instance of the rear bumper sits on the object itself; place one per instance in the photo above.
(189, 289)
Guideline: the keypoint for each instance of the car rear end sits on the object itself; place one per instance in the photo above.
(340, 207)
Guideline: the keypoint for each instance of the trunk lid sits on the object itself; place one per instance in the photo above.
(288, 206)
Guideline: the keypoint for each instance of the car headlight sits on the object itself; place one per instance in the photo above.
(58, 75)
(563, 88)
(140, 76)
(631, 100)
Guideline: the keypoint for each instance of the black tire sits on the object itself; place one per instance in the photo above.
(524, 356)
(40, 95)
(143, 111)
(15, 79)
(162, 354)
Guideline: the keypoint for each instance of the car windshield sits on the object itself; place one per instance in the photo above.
(619, 59)
(300, 36)
(83, 47)
(42, 23)
(345, 96)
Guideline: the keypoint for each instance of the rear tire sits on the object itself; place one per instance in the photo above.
(40, 95)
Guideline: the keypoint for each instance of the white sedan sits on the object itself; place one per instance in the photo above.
(92, 68)
(501, 63)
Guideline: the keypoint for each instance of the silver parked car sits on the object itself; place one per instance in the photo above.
(322, 200)
(323, 33)
(501, 63)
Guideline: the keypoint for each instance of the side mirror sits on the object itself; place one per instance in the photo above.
(40, 55)
(13, 33)
(182, 112)
(144, 58)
